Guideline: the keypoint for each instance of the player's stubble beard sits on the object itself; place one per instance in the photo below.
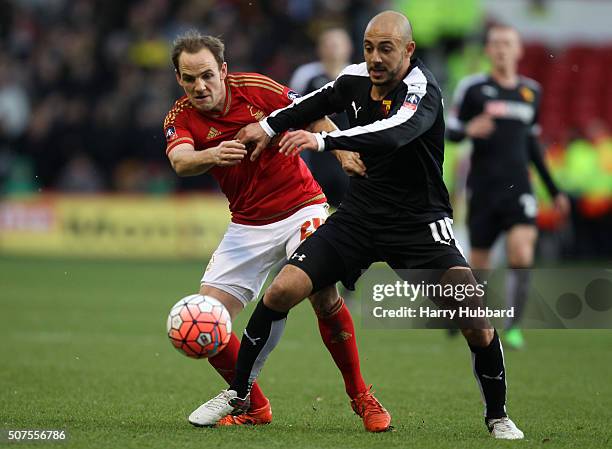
(392, 73)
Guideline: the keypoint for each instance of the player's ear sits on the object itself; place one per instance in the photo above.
(410, 47)
(178, 77)
(223, 71)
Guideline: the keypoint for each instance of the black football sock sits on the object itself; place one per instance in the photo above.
(260, 337)
(517, 291)
(490, 372)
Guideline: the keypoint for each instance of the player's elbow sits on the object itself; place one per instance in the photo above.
(181, 167)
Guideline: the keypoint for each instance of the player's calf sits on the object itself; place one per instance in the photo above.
(266, 325)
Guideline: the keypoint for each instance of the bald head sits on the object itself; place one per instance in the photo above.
(390, 23)
(388, 47)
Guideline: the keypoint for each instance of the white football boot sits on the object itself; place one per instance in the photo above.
(225, 403)
(504, 429)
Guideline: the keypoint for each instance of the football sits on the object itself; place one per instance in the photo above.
(199, 326)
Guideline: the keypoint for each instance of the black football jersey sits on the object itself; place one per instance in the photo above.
(500, 162)
(400, 140)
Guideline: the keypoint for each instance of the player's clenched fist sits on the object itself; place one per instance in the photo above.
(227, 153)
(254, 134)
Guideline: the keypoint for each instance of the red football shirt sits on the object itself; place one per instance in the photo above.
(261, 192)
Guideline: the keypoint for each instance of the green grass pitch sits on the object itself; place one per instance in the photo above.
(83, 348)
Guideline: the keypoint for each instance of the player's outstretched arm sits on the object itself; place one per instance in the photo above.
(417, 114)
(316, 105)
(350, 161)
(186, 161)
(295, 142)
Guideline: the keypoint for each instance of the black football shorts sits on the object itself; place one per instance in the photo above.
(343, 247)
(489, 216)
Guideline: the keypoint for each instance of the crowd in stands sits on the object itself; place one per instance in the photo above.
(85, 85)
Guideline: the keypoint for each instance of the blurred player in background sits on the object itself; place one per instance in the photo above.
(334, 49)
(499, 113)
(274, 201)
(400, 213)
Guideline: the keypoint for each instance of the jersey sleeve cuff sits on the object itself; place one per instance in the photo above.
(267, 129)
(177, 142)
(320, 141)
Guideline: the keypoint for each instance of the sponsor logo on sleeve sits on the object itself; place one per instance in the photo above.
(170, 133)
(412, 101)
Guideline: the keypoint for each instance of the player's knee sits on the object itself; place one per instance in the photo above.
(521, 256)
(287, 289)
(278, 295)
(458, 275)
(326, 302)
(478, 337)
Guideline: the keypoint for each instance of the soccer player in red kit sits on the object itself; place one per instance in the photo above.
(275, 204)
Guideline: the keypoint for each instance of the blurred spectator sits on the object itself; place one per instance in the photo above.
(80, 176)
(100, 78)
(95, 78)
(334, 49)
(14, 102)
(14, 118)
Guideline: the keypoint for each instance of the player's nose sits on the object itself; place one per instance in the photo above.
(200, 85)
(376, 56)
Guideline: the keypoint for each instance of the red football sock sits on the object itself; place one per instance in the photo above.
(338, 334)
(225, 364)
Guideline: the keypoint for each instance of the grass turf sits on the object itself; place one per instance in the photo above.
(84, 349)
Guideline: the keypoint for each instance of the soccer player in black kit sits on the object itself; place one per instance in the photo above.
(399, 213)
(499, 113)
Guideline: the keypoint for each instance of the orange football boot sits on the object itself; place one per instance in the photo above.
(253, 417)
(375, 417)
